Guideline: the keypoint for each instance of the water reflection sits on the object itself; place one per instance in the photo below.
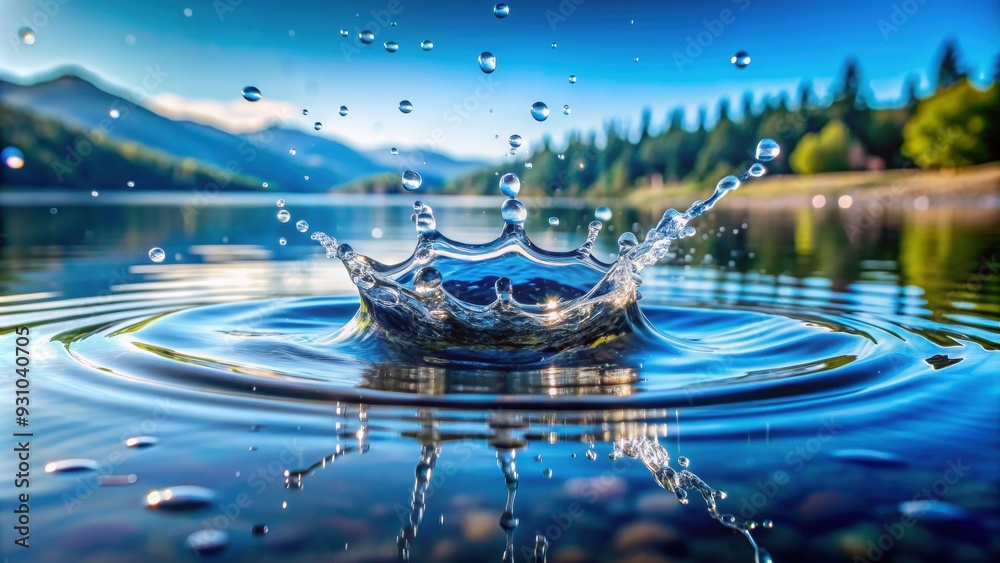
(552, 380)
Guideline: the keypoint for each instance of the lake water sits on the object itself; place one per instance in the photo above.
(835, 372)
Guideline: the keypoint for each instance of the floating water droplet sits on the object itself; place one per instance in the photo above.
(344, 33)
(94, 193)
(501, 11)
(554, 221)
(487, 62)
(528, 165)
(513, 212)
(515, 141)
(259, 529)
(741, 59)
(71, 465)
(302, 226)
(394, 151)
(591, 455)
(426, 281)
(603, 213)
(538, 458)
(510, 184)
(141, 441)
(391, 46)
(426, 44)
(539, 111)
(767, 524)
(156, 254)
(317, 126)
(757, 170)
(292, 152)
(572, 79)
(264, 184)
(305, 111)
(376, 233)
(251, 94)
(554, 45)
(636, 59)
(53, 210)
(503, 287)
(114, 114)
(405, 106)
(284, 216)
(282, 241)
(27, 35)
(280, 203)
(367, 37)
(208, 541)
(727, 183)
(184, 497)
(767, 150)
(567, 110)
(683, 461)
(547, 473)
(411, 180)
(12, 157)
(561, 156)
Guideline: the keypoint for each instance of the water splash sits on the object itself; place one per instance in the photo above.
(509, 301)
(657, 461)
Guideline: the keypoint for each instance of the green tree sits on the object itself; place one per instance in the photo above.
(955, 127)
(827, 151)
(950, 69)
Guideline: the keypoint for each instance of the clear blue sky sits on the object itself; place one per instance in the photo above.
(294, 53)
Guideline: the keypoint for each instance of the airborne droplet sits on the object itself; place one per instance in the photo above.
(767, 150)
(603, 213)
(156, 254)
(426, 45)
(343, 111)
(728, 183)
(284, 216)
(567, 110)
(391, 46)
(394, 151)
(513, 212)
(510, 184)
(302, 226)
(487, 62)
(317, 126)
(572, 79)
(539, 111)
(554, 221)
(251, 94)
(411, 180)
(515, 141)
(405, 106)
(757, 170)
(344, 33)
(367, 37)
(741, 59)
(27, 35)
(501, 11)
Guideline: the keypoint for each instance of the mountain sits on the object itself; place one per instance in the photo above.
(79, 109)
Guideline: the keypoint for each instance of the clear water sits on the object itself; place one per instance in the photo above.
(836, 388)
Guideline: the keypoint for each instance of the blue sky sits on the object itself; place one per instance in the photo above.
(294, 53)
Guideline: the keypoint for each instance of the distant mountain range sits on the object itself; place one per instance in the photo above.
(55, 122)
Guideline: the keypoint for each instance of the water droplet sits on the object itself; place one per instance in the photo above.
(394, 151)
(683, 461)
(391, 46)
(767, 150)
(251, 94)
(501, 11)
(94, 193)
(636, 59)
(207, 541)
(426, 281)
(554, 45)
(539, 111)
(27, 35)
(114, 114)
(572, 79)
(528, 165)
(515, 141)
(282, 241)
(538, 458)
(591, 455)
(487, 62)
(547, 473)
(264, 184)
(757, 170)
(12, 157)
(376, 233)
(603, 213)
(344, 33)
(284, 216)
(426, 44)
(510, 184)
(728, 183)
(367, 37)
(141, 441)
(554, 221)
(741, 59)
(405, 106)
(292, 152)
(53, 210)
(302, 226)
(503, 287)
(317, 126)
(567, 110)
(184, 497)
(411, 180)
(280, 203)
(305, 111)
(259, 529)
(71, 465)
(561, 156)
(156, 254)
(513, 212)
(767, 524)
